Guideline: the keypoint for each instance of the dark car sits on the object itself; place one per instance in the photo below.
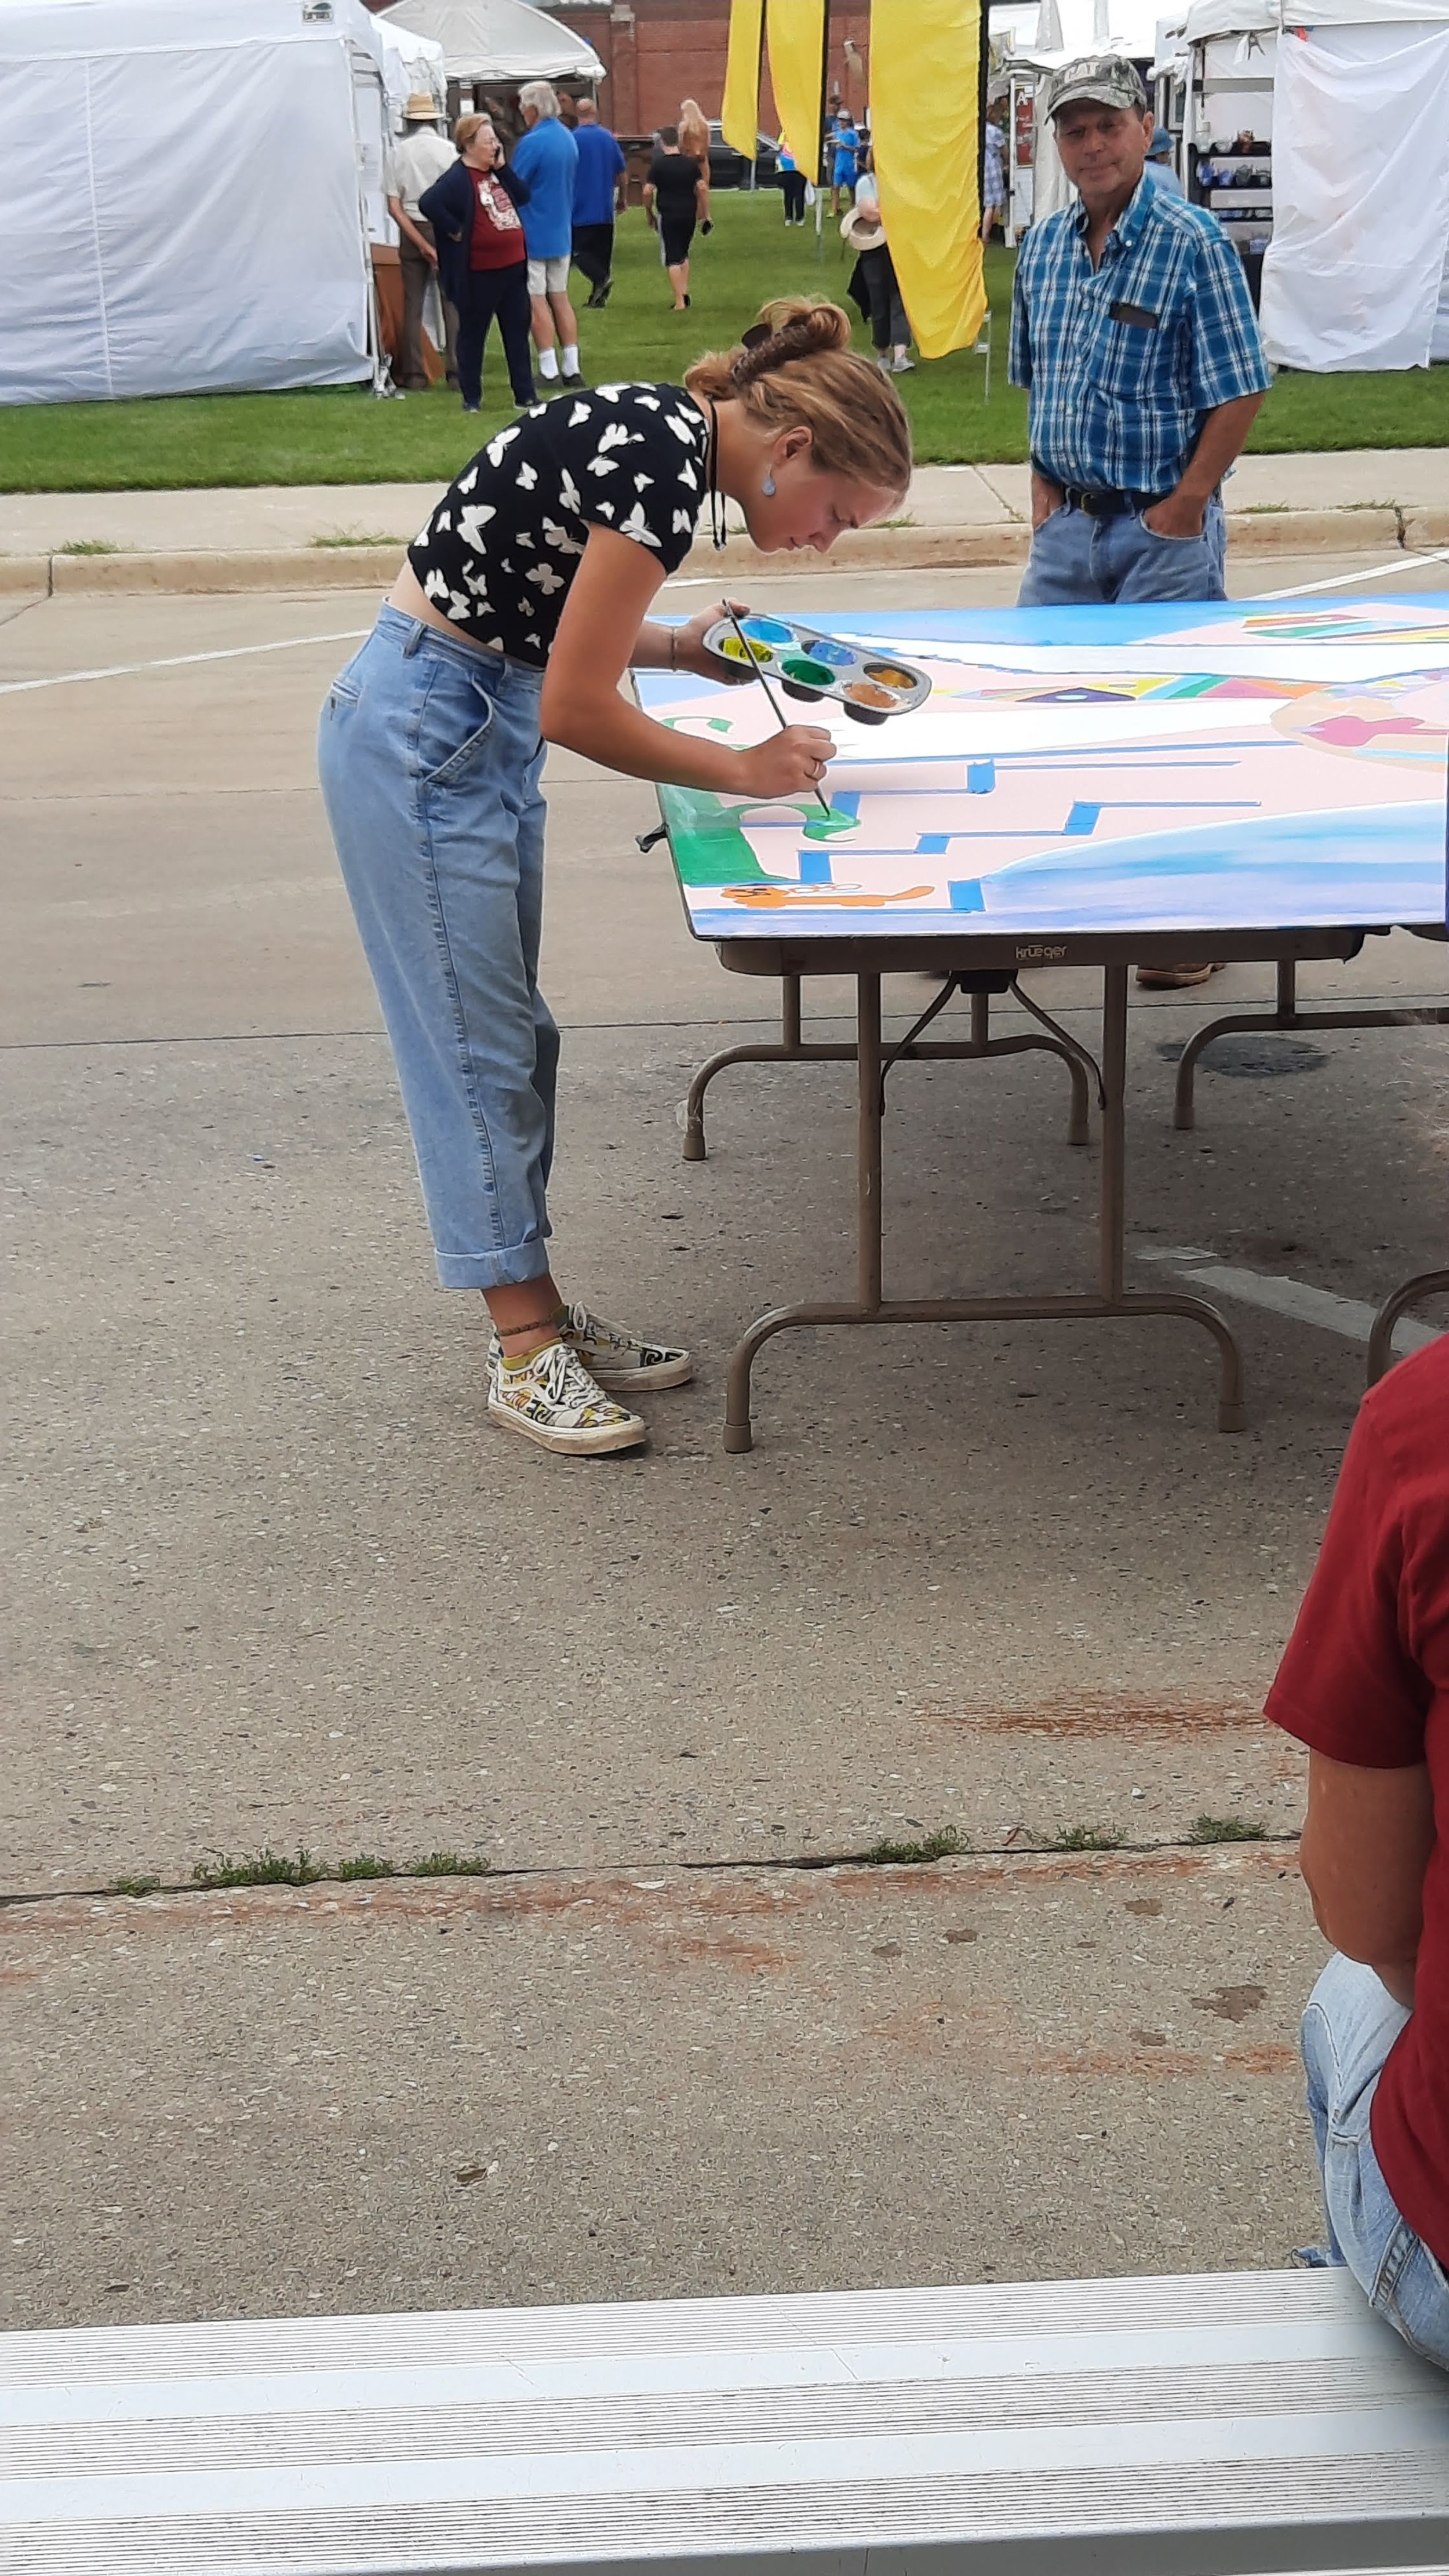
(729, 168)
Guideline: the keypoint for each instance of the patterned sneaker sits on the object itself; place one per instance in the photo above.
(555, 1402)
(616, 1358)
(613, 1357)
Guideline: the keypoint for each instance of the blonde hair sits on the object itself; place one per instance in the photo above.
(796, 368)
(467, 128)
(693, 130)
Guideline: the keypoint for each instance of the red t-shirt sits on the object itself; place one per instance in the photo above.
(1366, 1680)
(497, 240)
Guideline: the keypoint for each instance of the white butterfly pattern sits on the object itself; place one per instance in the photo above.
(473, 521)
(460, 553)
(637, 527)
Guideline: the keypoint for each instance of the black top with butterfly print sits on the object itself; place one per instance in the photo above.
(501, 548)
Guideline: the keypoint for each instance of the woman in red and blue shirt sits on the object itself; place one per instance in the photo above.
(482, 257)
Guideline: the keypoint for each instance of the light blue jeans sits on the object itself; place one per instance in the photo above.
(1079, 562)
(1348, 2029)
(430, 757)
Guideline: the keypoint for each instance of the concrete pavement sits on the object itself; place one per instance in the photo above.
(278, 1582)
(334, 536)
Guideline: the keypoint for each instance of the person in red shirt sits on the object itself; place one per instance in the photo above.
(1365, 1685)
(482, 257)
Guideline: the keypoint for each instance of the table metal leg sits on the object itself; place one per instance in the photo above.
(792, 1047)
(873, 1307)
(1285, 1014)
(1430, 1283)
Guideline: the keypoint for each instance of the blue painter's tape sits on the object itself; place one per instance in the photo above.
(980, 777)
(966, 894)
(1082, 821)
(931, 844)
(815, 866)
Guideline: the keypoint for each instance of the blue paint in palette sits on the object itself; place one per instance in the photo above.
(836, 657)
(768, 630)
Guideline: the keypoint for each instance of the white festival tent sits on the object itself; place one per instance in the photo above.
(497, 40)
(1357, 273)
(186, 196)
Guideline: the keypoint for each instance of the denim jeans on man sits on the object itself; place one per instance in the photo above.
(1348, 2029)
(1078, 561)
(430, 758)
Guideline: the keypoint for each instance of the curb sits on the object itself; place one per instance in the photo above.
(925, 548)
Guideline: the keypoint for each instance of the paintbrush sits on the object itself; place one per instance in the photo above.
(778, 712)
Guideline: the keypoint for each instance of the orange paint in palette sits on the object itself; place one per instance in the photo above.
(807, 664)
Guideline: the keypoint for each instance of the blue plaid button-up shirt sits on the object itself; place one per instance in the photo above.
(1124, 361)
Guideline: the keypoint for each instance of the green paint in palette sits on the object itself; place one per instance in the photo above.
(810, 675)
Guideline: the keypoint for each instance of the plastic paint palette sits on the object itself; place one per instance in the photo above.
(869, 683)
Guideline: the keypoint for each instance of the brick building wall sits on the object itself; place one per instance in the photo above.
(656, 52)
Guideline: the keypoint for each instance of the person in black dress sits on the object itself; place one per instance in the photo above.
(672, 204)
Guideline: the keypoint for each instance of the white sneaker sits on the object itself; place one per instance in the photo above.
(903, 366)
(552, 1399)
(615, 1357)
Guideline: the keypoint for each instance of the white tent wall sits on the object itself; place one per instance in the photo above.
(179, 200)
(1355, 270)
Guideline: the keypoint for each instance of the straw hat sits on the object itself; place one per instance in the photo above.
(421, 109)
(860, 233)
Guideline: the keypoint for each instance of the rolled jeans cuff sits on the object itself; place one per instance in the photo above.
(510, 1268)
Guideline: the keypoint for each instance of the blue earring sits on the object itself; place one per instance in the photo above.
(768, 486)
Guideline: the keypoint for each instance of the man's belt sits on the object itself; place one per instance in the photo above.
(1103, 505)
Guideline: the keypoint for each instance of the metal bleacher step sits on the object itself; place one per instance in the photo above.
(1224, 2425)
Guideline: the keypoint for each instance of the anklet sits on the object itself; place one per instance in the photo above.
(540, 1324)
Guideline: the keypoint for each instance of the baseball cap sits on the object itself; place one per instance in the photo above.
(1109, 78)
(1161, 142)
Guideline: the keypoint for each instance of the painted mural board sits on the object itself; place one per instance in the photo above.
(1241, 766)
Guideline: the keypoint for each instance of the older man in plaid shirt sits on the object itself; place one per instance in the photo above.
(1132, 325)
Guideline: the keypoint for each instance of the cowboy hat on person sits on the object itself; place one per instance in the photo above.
(859, 231)
(421, 109)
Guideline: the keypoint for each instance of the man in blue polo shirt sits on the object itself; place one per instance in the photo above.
(596, 194)
(546, 159)
(1132, 324)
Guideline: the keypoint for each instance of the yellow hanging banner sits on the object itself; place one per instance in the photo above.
(740, 112)
(795, 34)
(924, 71)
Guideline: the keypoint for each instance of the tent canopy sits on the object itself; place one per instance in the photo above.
(1261, 17)
(498, 40)
(179, 197)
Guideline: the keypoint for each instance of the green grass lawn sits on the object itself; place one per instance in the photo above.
(345, 436)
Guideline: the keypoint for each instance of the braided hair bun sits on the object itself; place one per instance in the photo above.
(792, 327)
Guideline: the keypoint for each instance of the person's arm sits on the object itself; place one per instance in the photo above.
(621, 179)
(1230, 377)
(602, 631)
(405, 224)
(1366, 1843)
(1223, 437)
(441, 206)
(649, 195)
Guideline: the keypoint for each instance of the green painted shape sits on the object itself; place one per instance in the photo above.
(828, 827)
(706, 841)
